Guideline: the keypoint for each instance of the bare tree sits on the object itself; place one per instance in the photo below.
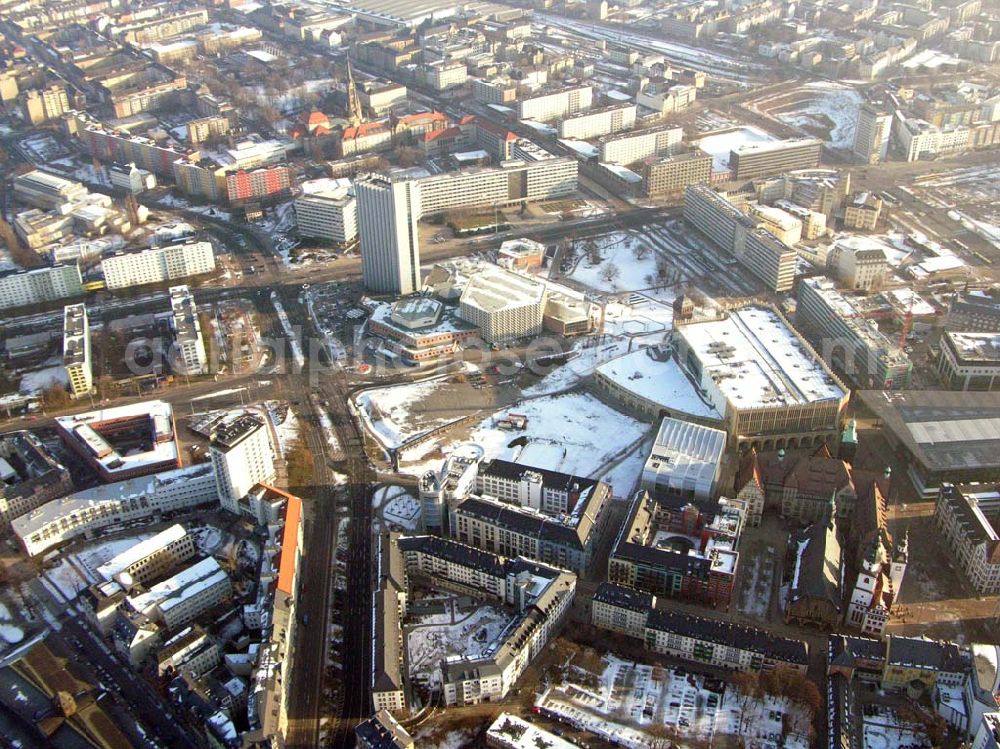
(593, 251)
(610, 272)
(640, 250)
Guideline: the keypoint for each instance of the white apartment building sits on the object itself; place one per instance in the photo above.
(555, 105)
(504, 306)
(763, 254)
(242, 456)
(91, 510)
(494, 91)
(628, 148)
(47, 191)
(514, 182)
(158, 264)
(388, 212)
(444, 74)
(131, 178)
(76, 350)
(685, 461)
(179, 600)
(859, 268)
(871, 137)
(598, 122)
(150, 559)
(188, 354)
(919, 139)
(782, 225)
(770, 259)
(40, 285)
(968, 517)
(326, 209)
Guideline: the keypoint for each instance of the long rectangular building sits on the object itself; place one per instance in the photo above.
(158, 264)
(852, 344)
(510, 184)
(759, 251)
(598, 122)
(555, 104)
(775, 157)
(631, 147)
(693, 638)
(768, 381)
(40, 285)
(90, 510)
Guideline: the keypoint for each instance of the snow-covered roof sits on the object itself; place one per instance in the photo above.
(141, 550)
(85, 428)
(756, 361)
(658, 381)
(512, 731)
(144, 486)
(174, 590)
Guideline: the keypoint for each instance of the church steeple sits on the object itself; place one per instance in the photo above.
(354, 114)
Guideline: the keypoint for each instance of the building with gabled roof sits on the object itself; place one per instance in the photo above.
(815, 595)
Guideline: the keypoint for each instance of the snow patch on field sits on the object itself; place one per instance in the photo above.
(828, 110)
(41, 379)
(618, 249)
(574, 433)
(386, 411)
(721, 144)
(470, 636)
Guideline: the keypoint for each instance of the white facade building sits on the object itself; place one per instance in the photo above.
(40, 285)
(88, 511)
(598, 122)
(686, 461)
(189, 355)
(555, 105)
(388, 212)
(628, 148)
(181, 599)
(243, 457)
(504, 306)
(158, 264)
(76, 350)
(327, 210)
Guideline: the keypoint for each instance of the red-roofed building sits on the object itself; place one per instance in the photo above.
(437, 142)
(494, 139)
(370, 136)
(419, 124)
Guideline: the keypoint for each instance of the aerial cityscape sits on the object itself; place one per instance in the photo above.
(525, 374)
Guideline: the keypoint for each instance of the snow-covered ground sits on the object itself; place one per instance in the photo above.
(721, 144)
(827, 110)
(41, 379)
(401, 509)
(468, 634)
(386, 411)
(619, 250)
(884, 730)
(574, 433)
(627, 699)
(9, 632)
(628, 325)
